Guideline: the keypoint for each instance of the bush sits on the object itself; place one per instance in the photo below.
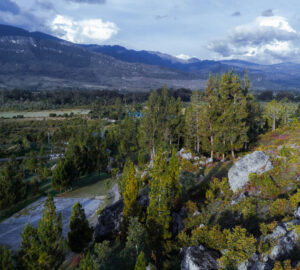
(240, 246)
(280, 208)
(262, 185)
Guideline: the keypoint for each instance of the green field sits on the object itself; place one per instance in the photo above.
(94, 190)
(44, 113)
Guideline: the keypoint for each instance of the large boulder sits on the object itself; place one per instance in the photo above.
(256, 162)
(184, 154)
(109, 221)
(199, 258)
(111, 218)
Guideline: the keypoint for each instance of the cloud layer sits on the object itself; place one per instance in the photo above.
(84, 31)
(88, 1)
(9, 6)
(267, 39)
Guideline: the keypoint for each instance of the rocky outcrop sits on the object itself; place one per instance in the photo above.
(256, 162)
(110, 220)
(184, 154)
(199, 258)
(177, 221)
(286, 247)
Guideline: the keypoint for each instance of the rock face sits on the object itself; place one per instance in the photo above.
(110, 220)
(256, 162)
(199, 258)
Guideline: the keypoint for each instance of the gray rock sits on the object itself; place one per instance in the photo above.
(256, 162)
(209, 160)
(288, 243)
(110, 220)
(185, 155)
(177, 221)
(199, 258)
(297, 213)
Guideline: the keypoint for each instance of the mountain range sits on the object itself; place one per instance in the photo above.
(35, 60)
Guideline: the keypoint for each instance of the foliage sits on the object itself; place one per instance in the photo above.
(240, 247)
(43, 247)
(212, 237)
(80, 233)
(87, 263)
(264, 185)
(141, 262)
(130, 193)
(280, 207)
(6, 261)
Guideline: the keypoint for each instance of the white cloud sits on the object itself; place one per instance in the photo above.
(183, 56)
(266, 39)
(83, 31)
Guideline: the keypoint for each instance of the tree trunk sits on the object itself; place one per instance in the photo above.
(211, 145)
(232, 154)
(274, 124)
(198, 144)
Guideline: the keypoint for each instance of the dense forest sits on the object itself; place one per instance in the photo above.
(143, 149)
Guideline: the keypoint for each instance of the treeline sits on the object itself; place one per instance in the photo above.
(268, 95)
(19, 99)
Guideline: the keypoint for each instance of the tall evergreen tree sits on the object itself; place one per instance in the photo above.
(131, 192)
(80, 233)
(6, 261)
(43, 248)
(159, 209)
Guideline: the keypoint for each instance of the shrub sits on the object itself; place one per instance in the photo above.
(263, 185)
(295, 199)
(186, 165)
(240, 246)
(280, 207)
(211, 237)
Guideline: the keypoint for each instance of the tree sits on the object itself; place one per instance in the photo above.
(141, 262)
(174, 177)
(80, 233)
(273, 111)
(64, 174)
(43, 248)
(88, 263)
(209, 112)
(135, 241)
(192, 122)
(12, 188)
(231, 123)
(131, 191)
(31, 162)
(6, 259)
(159, 209)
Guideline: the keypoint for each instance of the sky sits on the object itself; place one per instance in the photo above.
(262, 31)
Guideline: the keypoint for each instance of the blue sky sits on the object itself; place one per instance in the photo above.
(261, 31)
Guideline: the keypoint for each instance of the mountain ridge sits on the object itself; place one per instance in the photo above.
(36, 60)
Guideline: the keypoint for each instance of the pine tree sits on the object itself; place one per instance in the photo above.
(174, 177)
(141, 262)
(131, 191)
(43, 248)
(51, 242)
(232, 120)
(80, 233)
(6, 261)
(273, 111)
(159, 209)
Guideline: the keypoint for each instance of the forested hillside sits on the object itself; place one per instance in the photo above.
(208, 184)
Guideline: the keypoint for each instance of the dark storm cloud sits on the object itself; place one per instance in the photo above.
(267, 13)
(9, 6)
(88, 1)
(236, 14)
